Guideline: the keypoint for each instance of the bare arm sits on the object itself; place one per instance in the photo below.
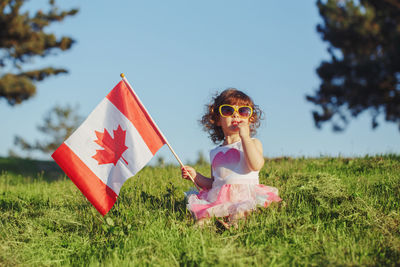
(201, 180)
(253, 152)
(252, 148)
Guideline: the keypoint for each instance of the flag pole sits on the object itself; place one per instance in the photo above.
(165, 139)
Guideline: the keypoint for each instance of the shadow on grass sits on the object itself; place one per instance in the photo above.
(166, 201)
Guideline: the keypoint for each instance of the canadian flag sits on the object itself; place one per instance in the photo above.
(116, 141)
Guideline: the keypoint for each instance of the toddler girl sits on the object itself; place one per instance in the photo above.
(233, 189)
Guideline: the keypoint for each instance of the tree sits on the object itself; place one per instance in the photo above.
(161, 161)
(201, 159)
(22, 39)
(364, 68)
(59, 123)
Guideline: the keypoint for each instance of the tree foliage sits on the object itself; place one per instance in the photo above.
(58, 124)
(364, 68)
(23, 37)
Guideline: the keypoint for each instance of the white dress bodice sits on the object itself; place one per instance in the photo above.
(228, 166)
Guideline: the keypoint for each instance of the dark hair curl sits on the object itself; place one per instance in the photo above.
(230, 96)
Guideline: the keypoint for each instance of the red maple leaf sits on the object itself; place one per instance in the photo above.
(113, 147)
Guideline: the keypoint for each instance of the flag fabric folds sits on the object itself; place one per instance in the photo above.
(116, 140)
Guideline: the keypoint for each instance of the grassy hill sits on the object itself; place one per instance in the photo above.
(335, 211)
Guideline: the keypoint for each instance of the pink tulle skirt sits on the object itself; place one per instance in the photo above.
(230, 199)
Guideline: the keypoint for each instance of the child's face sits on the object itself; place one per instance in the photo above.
(230, 124)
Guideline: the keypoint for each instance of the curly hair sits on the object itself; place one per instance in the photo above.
(230, 96)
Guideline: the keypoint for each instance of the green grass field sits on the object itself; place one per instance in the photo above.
(335, 211)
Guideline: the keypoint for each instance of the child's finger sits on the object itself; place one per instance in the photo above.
(184, 168)
(242, 123)
(185, 173)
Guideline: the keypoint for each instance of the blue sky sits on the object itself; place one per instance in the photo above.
(177, 54)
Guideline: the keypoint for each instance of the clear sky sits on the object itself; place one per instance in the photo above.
(177, 54)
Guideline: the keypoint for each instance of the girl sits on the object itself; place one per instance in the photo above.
(233, 189)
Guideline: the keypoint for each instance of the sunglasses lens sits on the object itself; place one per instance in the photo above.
(227, 111)
(245, 112)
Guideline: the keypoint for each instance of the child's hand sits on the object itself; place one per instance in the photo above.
(244, 129)
(186, 170)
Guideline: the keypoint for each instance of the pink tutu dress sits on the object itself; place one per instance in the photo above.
(235, 188)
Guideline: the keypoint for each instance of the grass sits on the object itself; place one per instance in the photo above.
(335, 211)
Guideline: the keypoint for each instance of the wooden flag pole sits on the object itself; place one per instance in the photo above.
(165, 139)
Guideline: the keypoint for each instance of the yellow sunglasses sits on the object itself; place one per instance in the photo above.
(228, 110)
